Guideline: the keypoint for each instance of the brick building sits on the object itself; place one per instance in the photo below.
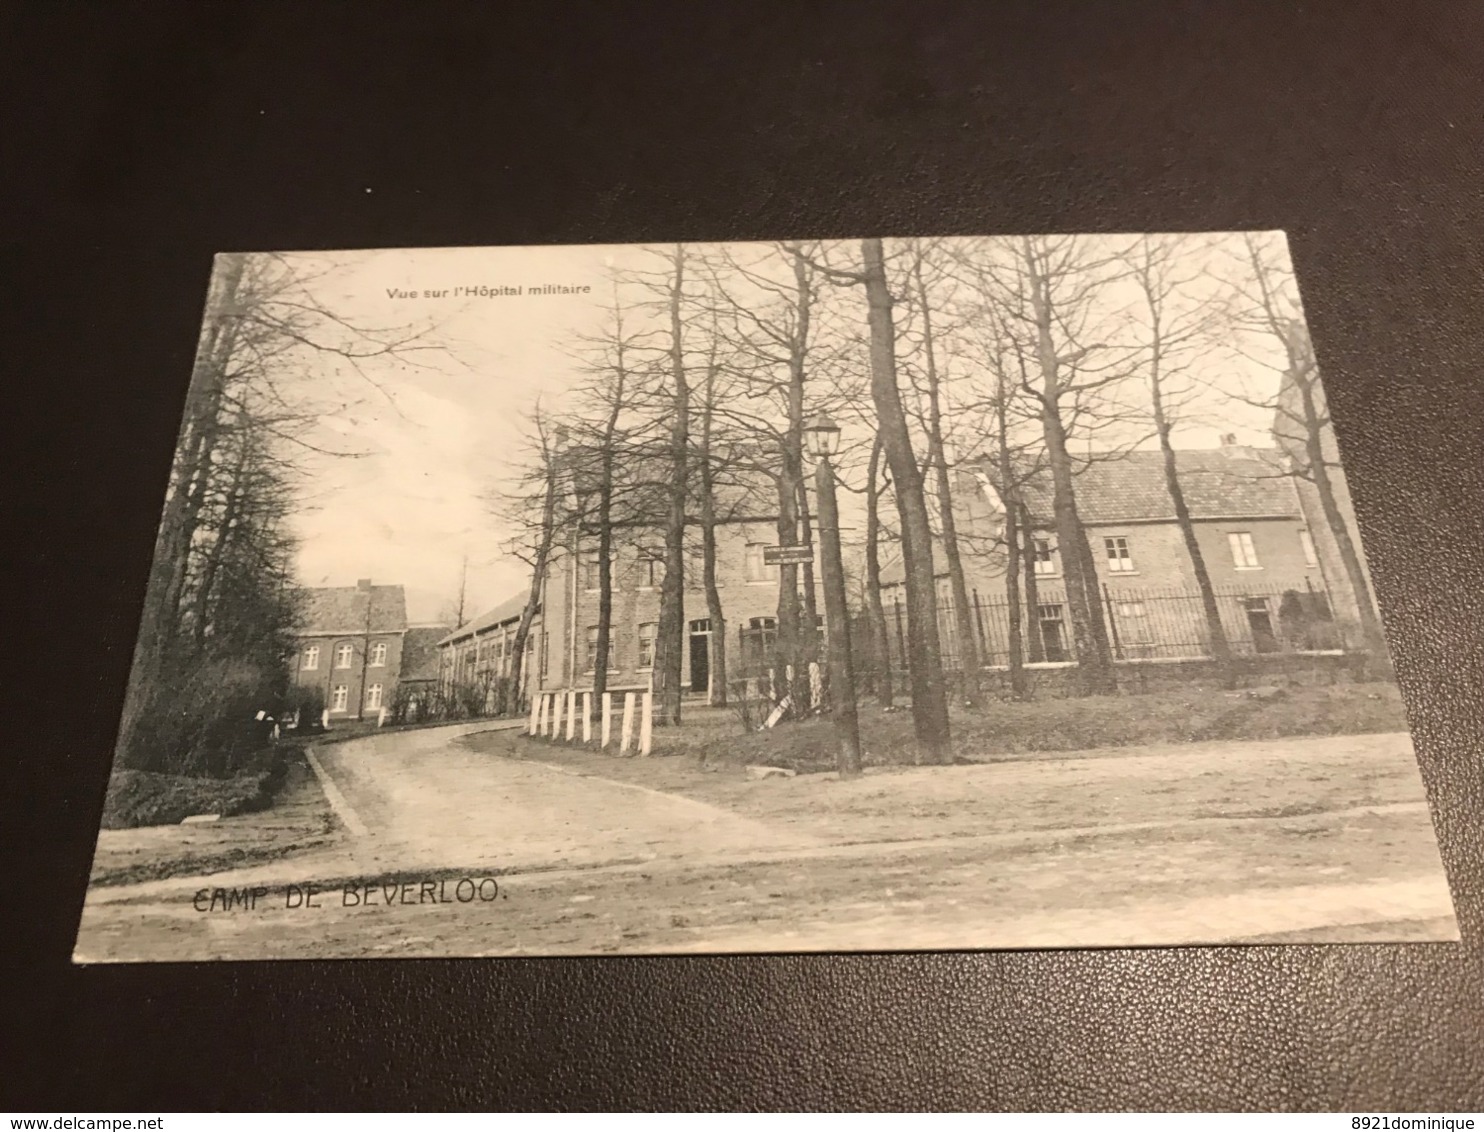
(749, 596)
(1253, 531)
(356, 646)
(478, 654)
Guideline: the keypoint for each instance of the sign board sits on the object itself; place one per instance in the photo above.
(787, 555)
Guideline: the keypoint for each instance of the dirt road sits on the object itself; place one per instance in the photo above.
(460, 844)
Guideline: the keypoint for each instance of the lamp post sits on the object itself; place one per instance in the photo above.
(823, 437)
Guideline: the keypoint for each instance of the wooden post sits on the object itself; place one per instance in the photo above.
(587, 717)
(626, 736)
(531, 727)
(571, 713)
(607, 719)
(556, 715)
(646, 724)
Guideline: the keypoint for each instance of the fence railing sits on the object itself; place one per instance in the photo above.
(1146, 624)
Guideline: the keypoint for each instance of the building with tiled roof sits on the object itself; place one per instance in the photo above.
(353, 646)
(1249, 522)
(479, 654)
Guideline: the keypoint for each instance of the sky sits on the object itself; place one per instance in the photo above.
(438, 431)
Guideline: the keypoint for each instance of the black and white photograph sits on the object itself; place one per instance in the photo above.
(888, 594)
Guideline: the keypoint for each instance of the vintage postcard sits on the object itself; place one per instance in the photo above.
(879, 594)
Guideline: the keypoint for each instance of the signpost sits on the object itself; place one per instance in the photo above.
(787, 555)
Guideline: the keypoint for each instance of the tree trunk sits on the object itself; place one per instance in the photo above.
(1036, 650)
(1372, 634)
(714, 612)
(881, 675)
(544, 542)
(809, 608)
(929, 694)
(787, 648)
(1221, 650)
(670, 642)
(605, 582)
(157, 628)
(200, 615)
(1018, 687)
(963, 616)
(1089, 633)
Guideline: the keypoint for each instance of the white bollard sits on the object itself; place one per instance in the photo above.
(571, 713)
(531, 726)
(626, 737)
(556, 714)
(324, 719)
(587, 717)
(381, 718)
(646, 725)
(545, 721)
(607, 719)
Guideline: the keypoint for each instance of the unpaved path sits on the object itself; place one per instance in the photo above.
(1312, 839)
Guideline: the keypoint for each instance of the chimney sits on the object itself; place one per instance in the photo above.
(364, 585)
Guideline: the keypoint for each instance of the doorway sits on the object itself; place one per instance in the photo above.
(1260, 622)
(700, 656)
(1052, 642)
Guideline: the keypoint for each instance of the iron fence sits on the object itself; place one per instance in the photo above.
(1146, 624)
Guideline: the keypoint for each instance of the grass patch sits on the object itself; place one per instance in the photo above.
(140, 798)
(1004, 729)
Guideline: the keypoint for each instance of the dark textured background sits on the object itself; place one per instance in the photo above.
(140, 138)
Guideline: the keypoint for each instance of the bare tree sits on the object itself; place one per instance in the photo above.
(936, 457)
(1172, 333)
(607, 463)
(1270, 304)
(1048, 291)
(216, 635)
(929, 693)
(876, 612)
(536, 513)
(709, 464)
(669, 642)
(769, 314)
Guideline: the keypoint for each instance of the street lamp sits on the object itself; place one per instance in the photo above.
(823, 437)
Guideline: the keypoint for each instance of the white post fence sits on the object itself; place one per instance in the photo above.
(554, 716)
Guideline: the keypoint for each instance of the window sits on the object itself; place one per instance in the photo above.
(1306, 540)
(311, 658)
(695, 568)
(1132, 609)
(592, 577)
(378, 654)
(651, 571)
(592, 649)
(1244, 554)
(757, 569)
(1041, 556)
(339, 697)
(1120, 561)
(647, 633)
(343, 655)
(373, 697)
